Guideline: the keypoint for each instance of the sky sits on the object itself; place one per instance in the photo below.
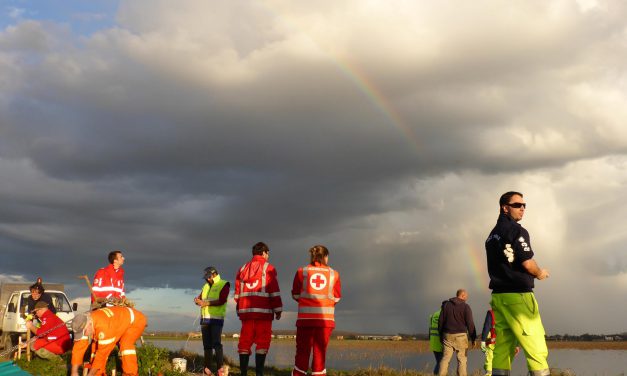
(184, 132)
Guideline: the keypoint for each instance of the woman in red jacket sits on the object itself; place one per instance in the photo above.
(317, 289)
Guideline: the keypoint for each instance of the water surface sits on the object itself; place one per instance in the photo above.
(580, 362)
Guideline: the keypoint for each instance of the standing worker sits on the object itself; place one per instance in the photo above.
(106, 327)
(212, 302)
(435, 343)
(109, 281)
(488, 341)
(258, 302)
(512, 271)
(455, 326)
(317, 289)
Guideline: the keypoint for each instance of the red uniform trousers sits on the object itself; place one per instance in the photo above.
(258, 332)
(308, 338)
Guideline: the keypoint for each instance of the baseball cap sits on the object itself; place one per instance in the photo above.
(210, 271)
(39, 305)
(78, 325)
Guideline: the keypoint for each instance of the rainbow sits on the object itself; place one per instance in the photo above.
(375, 96)
(478, 268)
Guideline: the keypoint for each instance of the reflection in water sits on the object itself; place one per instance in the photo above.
(581, 362)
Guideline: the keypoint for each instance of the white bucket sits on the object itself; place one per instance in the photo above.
(179, 364)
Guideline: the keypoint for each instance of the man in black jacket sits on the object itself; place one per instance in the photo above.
(513, 271)
(455, 325)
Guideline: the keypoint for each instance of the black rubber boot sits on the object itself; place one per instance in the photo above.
(219, 358)
(208, 359)
(243, 363)
(260, 360)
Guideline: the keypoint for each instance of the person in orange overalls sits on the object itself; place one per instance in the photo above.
(107, 326)
(317, 289)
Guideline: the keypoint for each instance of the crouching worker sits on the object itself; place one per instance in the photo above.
(53, 338)
(106, 327)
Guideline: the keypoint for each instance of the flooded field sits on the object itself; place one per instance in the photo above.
(581, 358)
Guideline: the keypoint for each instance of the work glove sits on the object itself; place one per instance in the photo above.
(483, 346)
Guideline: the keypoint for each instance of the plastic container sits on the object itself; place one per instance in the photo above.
(179, 364)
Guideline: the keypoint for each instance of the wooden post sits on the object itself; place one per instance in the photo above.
(91, 290)
(27, 345)
(19, 347)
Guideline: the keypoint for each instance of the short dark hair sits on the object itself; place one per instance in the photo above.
(113, 255)
(260, 248)
(37, 286)
(505, 197)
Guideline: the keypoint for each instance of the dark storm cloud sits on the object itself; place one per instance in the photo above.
(183, 142)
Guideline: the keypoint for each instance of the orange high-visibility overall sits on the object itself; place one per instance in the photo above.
(123, 325)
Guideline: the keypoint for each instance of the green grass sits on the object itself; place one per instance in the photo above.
(154, 361)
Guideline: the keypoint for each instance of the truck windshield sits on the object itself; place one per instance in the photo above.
(59, 301)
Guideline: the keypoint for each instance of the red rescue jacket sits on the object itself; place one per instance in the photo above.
(108, 283)
(55, 340)
(257, 294)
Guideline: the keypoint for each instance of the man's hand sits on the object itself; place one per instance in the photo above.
(544, 273)
(277, 315)
(532, 268)
(483, 346)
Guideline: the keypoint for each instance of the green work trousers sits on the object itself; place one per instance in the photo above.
(518, 322)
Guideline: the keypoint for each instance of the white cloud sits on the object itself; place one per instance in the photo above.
(186, 133)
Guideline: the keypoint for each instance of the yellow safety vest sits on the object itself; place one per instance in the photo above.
(212, 292)
(435, 344)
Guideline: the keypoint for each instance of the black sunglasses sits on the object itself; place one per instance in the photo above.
(518, 205)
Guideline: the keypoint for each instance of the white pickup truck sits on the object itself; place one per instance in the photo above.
(14, 307)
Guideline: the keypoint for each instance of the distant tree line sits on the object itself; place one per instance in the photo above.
(588, 337)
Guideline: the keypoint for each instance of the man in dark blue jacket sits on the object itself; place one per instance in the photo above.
(455, 326)
(512, 272)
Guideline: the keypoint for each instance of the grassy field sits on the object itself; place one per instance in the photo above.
(160, 360)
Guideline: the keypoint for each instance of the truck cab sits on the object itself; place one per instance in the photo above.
(13, 314)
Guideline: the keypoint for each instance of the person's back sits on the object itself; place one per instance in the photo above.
(505, 264)
(455, 326)
(456, 317)
(435, 342)
(258, 302)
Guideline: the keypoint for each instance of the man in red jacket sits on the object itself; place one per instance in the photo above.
(53, 338)
(109, 281)
(258, 302)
